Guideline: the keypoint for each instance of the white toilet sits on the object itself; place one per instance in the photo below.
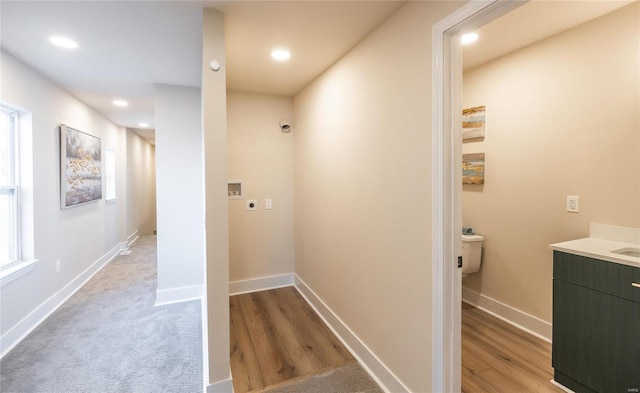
(471, 253)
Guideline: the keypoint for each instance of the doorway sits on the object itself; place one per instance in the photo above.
(551, 63)
(447, 185)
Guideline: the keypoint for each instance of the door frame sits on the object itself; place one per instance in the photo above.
(447, 184)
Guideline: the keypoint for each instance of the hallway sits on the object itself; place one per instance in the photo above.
(109, 337)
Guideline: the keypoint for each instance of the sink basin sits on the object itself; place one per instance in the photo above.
(628, 251)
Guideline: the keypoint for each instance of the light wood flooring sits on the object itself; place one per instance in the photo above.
(276, 336)
(500, 358)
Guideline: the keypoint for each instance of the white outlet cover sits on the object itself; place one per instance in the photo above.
(252, 204)
(573, 204)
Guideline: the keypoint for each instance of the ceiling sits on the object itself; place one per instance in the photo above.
(126, 47)
(532, 22)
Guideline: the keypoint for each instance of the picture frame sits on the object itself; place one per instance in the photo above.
(473, 168)
(80, 167)
(473, 120)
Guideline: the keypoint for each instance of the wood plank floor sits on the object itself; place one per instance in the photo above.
(498, 357)
(276, 336)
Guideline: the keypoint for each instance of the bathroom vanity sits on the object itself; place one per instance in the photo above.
(596, 313)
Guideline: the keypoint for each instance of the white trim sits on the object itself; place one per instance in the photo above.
(224, 386)
(17, 333)
(205, 339)
(520, 319)
(387, 380)
(14, 270)
(260, 284)
(177, 295)
(132, 238)
(447, 190)
(446, 327)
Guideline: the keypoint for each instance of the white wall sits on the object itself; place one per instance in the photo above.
(80, 236)
(260, 242)
(363, 190)
(179, 174)
(561, 119)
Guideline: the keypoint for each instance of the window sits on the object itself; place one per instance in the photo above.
(110, 173)
(17, 255)
(9, 187)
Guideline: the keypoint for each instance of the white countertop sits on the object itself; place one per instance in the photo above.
(599, 249)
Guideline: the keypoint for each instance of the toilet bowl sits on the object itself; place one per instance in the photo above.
(471, 253)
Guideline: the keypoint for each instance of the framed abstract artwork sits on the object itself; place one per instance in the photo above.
(473, 168)
(80, 167)
(473, 122)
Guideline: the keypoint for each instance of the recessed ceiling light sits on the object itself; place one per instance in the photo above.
(280, 54)
(469, 38)
(143, 125)
(120, 103)
(63, 42)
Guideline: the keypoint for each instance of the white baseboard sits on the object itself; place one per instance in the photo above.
(205, 340)
(260, 284)
(177, 295)
(367, 359)
(224, 386)
(17, 333)
(515, 317)
(132, 238)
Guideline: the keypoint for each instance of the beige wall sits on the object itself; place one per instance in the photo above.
(363, 190)
(261, 241)
(141, 185)
(562, 119)
(214, 126)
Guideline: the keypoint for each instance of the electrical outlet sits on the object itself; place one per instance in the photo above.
(252, 204)
(573, 204)
(57, 267)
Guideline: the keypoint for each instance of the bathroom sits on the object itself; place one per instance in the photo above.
(561, 119)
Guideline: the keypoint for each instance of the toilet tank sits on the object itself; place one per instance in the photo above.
(471, 253)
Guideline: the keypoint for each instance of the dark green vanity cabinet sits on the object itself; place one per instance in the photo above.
(596, 324)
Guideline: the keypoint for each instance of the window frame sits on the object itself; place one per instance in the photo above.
(23, 260)
(13, 186)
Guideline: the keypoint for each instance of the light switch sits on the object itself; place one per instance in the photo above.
(267, 204)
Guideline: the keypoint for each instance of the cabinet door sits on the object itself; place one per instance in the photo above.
(596, 339)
